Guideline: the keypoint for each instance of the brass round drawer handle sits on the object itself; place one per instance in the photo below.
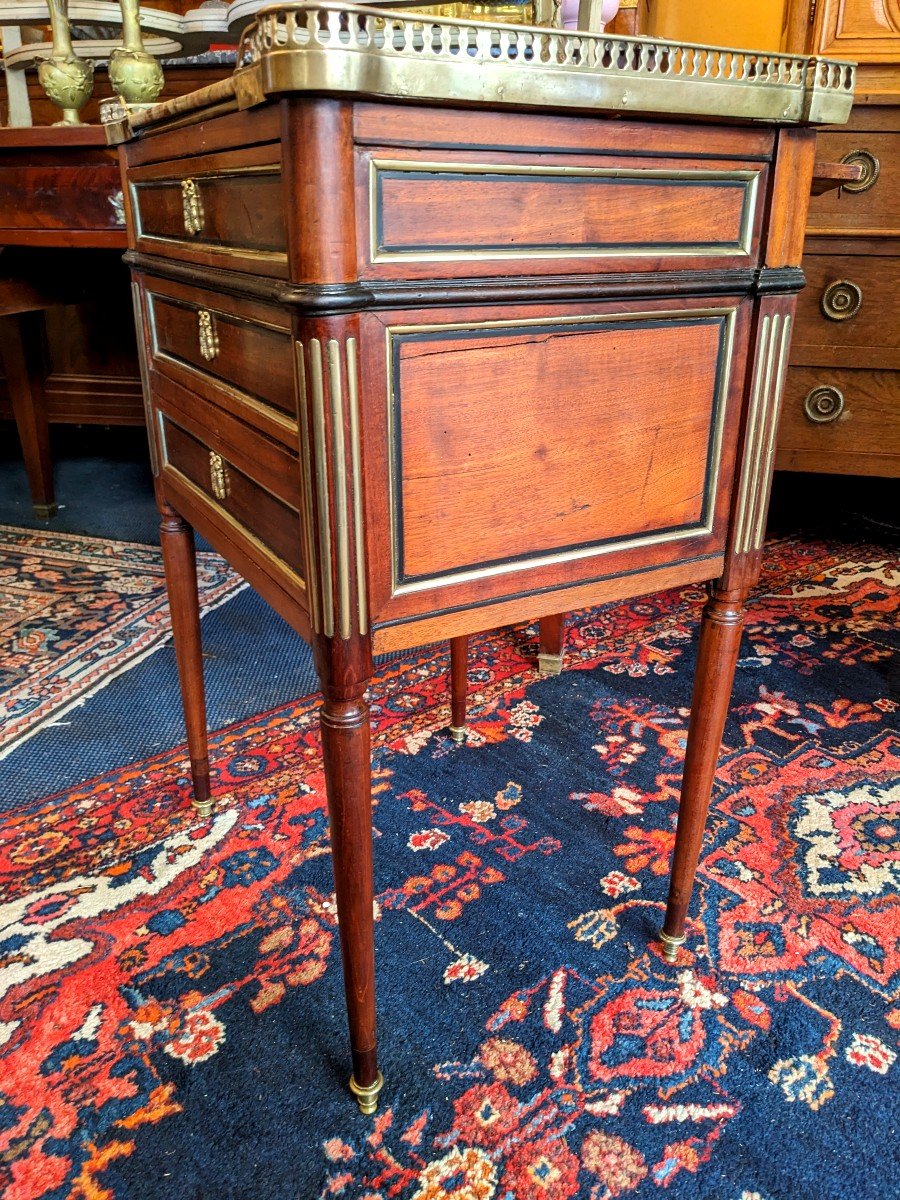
(841, 300)
(871, 170)
(824, 404)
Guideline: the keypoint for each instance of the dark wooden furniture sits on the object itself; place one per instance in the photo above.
(521, 355)
(842, 399)
(59, 192)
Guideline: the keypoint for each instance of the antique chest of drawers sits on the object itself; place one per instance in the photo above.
(447, 326)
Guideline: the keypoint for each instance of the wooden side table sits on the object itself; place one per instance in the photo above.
(524, 313)
(59, 189)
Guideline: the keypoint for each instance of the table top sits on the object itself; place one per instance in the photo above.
(332, 48)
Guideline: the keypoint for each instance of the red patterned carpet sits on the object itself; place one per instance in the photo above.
(75, 612)
(171, 1020)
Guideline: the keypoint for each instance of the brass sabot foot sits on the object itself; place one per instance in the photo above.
(45, 511)
(670, 945)
(457, 732)
(367, 1097)
(550, 664)
(203, 807)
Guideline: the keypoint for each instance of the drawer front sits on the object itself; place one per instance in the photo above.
(840, 420)
(84, 202)
(875, 209)
(842, 313)
(227, 489)
(216, 210)
(238, 351)
(524, 215)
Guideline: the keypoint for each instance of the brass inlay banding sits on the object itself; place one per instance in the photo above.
(762, 425)
(742, 247)
(356, 470)
(307, 469)
(323, 523)
(702, 529)
(339, 475)
(138, 302)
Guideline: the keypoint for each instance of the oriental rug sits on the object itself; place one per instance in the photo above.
(171, 1009)
(75, 612)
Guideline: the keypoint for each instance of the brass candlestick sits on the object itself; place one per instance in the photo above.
(136, 76)
(67, 79)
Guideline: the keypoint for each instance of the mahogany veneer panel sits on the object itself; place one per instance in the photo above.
(479, 477)
(269, 520)
(253, 345)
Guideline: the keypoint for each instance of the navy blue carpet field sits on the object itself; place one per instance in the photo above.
(171, 1008)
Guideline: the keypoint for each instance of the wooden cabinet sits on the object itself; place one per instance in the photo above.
(493, 348)
(842, 398)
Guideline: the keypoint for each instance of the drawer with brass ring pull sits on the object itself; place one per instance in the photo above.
(839, 420)
(865, 207)
(843, 313)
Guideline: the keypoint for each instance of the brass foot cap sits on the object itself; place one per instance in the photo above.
(203, 807)
(45, 511)
(670, 945)
(457, 732)
(367, 1097)
(550, 664)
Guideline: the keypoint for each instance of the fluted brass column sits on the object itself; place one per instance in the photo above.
(135, 75)
(67, 79)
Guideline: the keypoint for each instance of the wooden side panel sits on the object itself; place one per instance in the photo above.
(523, 454)
(430, 213)
(447, 194)
(506, 467)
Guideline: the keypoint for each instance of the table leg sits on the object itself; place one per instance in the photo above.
(552, 646)
(346, 750)
(459, 662)
(720, 639)
(29, 405)
(180, 562)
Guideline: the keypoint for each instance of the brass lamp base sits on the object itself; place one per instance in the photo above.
(670, 945)
(367, 1097)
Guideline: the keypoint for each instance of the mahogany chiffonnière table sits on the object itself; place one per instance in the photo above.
(449, 325)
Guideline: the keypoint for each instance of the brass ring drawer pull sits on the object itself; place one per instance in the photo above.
(871, 170)
(192, 206)
(207, 335)
(841, 300)
(824, 404)
(218, 476)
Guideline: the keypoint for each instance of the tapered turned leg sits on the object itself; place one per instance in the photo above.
(553, 637)
(18, 337)
(459, 662)
(720, 639)
(180, 561)
(346, 750)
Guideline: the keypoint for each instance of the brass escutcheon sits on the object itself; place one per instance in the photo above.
(871, 170)
(218, 476)
(841, 300)
(192, 205)
(208, 337)
(824, 404)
